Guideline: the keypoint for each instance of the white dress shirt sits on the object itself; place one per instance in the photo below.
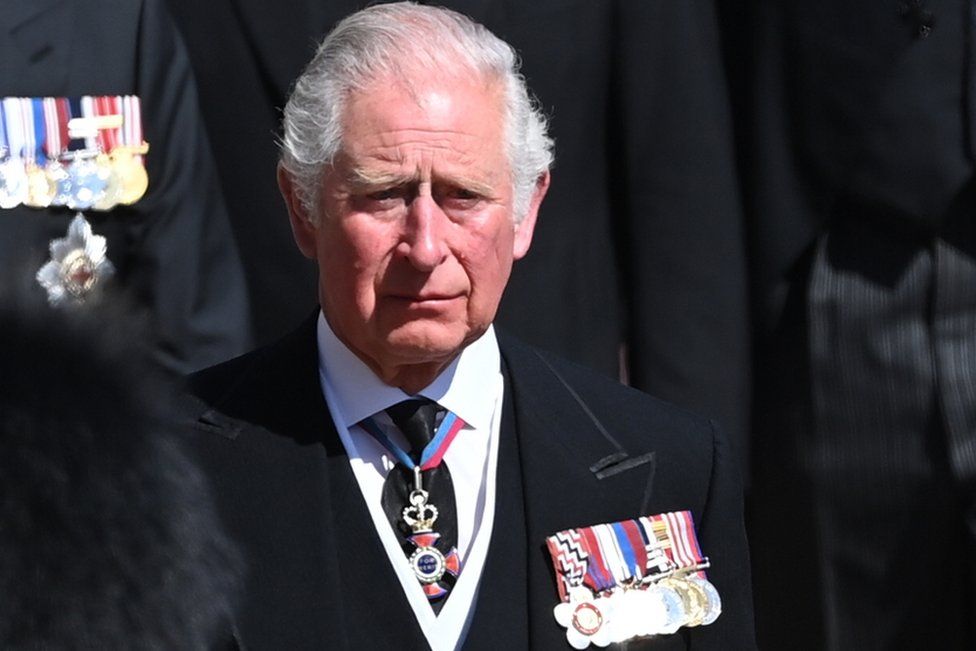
(471, 387)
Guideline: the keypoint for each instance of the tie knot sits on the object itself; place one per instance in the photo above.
(416, 418)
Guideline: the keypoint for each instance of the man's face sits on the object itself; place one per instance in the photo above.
(416, 237)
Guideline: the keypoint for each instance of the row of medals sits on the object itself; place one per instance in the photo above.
(80, 180)
(658, 607)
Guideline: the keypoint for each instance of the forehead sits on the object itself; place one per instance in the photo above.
(394, 121)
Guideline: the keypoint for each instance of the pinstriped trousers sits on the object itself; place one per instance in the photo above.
(877, 488)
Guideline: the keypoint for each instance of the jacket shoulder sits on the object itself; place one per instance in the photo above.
(220, 380)
(265, 385)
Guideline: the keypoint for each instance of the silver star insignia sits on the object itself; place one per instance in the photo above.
(78, 265)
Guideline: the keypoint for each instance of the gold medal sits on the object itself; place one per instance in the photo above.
(131, 172)
(40, 187)
(693, 598)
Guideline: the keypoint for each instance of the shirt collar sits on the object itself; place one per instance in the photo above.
(461, 387)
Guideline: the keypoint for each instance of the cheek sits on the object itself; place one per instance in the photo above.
(351, 261)
(489, 262)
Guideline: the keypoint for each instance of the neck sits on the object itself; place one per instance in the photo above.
(410, 378)
(409, 371)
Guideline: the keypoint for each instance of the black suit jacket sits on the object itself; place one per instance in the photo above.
(173, 250)
(576, 450)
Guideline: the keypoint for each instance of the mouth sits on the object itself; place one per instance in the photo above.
(425, 300)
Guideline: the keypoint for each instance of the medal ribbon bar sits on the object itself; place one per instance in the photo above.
(632, 578)
(81, 152)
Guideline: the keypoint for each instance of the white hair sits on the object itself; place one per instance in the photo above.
(392, 40)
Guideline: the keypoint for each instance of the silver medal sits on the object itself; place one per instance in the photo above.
(13, 183)
(88, 183)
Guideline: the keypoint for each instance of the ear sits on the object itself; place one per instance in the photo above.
(302, 228)
(525, 228)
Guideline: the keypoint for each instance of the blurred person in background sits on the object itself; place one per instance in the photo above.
(108, 535)
(857, 132)
(86, 86)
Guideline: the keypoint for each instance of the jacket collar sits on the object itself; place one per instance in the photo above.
(279, 389)
(557, 430)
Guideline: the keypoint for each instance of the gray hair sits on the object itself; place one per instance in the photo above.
(392, 40)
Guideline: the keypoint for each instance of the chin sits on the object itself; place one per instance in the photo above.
(420, 342)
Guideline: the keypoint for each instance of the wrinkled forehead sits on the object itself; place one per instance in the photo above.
(433, 104)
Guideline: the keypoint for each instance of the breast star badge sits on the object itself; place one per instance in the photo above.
(78, 266)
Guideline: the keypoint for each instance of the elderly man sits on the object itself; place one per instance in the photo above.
(398, 475)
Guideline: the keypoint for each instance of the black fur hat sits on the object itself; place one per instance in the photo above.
(108, 535)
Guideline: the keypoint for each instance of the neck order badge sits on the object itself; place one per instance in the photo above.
(429, 564)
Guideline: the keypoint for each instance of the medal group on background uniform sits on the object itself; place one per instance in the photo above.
(80, 153)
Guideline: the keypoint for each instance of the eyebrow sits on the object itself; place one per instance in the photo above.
(366, 178)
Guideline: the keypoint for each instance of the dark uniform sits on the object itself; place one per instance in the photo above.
(173, 253)
(864, 242)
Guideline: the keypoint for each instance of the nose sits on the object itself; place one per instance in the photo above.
(423, 239)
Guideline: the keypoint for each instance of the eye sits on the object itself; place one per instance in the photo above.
(378, 201)
(459, 199)
(383, 195)
(463, 193)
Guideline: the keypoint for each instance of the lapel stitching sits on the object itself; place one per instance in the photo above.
(615, 462)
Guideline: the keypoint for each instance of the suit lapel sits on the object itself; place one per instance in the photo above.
(559, 447)
(365, 577)
(362, 575)
(560, 444)
(297, 406)
(308, 587)
(501, 612)
(283, 394)
(372, 611)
